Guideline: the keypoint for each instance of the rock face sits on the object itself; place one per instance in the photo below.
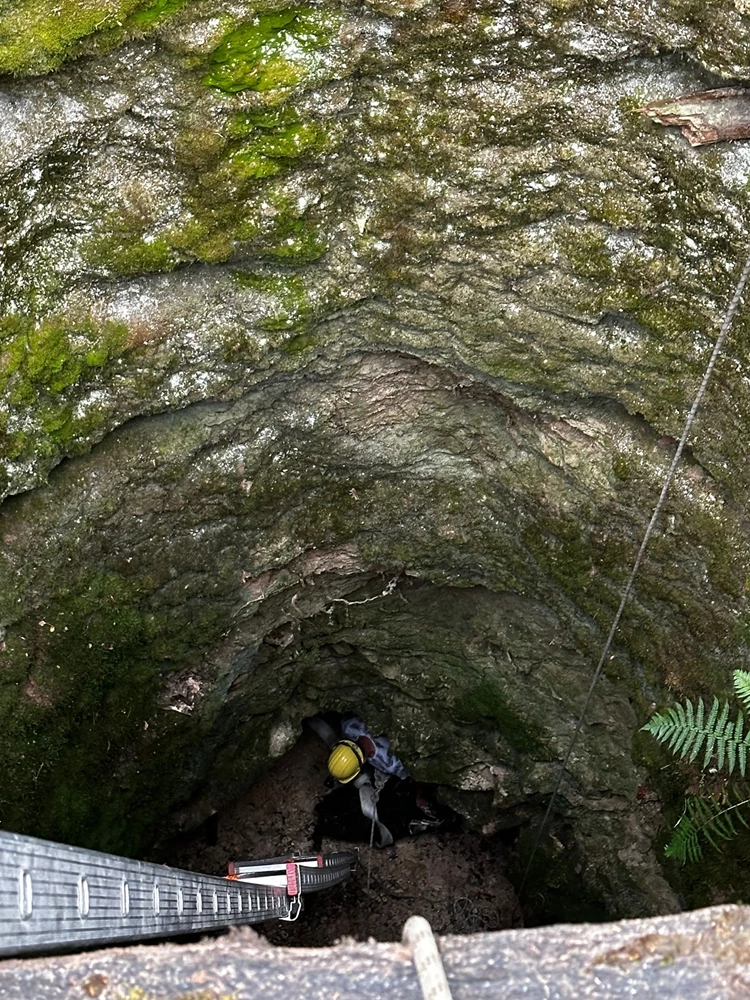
(342, 354)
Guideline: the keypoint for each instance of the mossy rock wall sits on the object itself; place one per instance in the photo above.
(342, 353)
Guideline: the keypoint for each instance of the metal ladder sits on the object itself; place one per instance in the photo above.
(53, 896)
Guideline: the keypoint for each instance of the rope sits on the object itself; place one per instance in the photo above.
(418, 935)
(369, 856)
(725, 327)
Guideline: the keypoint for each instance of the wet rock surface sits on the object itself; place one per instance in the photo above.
(342, 354)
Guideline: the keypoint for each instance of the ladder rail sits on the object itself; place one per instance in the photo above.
(313, 871)
(53, 896)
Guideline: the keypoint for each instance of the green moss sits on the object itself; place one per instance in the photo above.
(147, 17)
(199, 146)
(231, 199)
(129, 253)
(622, 466)
(229, 194)
(626, 283)
(297, 241)
(214, 228)
(36, 35)
(284, 234)
(270, 145)
(66, 667)
(121, 252)
(300, 344)
(226, 203)
(61, 429)
(41, 365)
(563, 547)
(197, 239)
(256, 55)
(48, 357)
(287, 292)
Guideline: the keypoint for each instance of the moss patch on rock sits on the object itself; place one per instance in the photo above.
(49, 356)
(267, 141)
(36, 35)
(43, 366)
(291, 299)
(275, 51)
(238, 146)
(487, 701)
(151, 14)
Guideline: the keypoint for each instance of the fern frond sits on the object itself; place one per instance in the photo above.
(721, 736)
(704, 818)
(711, 729)
(684, 844)
(683, 729)
(741, 680)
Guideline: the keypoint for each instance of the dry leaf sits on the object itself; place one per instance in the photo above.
(711, 116)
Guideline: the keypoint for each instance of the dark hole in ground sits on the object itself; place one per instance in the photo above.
(338, 815)
(454, 877)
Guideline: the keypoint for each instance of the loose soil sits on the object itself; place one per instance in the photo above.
(453, 879)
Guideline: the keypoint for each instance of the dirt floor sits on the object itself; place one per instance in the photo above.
(454, 879)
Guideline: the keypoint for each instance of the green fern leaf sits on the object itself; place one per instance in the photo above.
(693, 733)
(739, 736)
(689, 715)
(732, 746)
(714, 713)
(705, 818)
(710, 729)
(721, 736)
(725, 827)
(741, 680)
(684, 844)
(685, 731)
(679, 720)
(697, 741)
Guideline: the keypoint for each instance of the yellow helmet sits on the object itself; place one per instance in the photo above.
(345, 761)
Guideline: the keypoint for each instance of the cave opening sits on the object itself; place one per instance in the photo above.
(455, 876)
(464, 879)
(478, 691)
(458, 678)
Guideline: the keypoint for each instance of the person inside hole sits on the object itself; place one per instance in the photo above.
(390, 803)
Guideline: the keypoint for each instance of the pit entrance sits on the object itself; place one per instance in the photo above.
(454, 877)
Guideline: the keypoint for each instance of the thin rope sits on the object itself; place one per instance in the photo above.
(369, 856)
(725, 327)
